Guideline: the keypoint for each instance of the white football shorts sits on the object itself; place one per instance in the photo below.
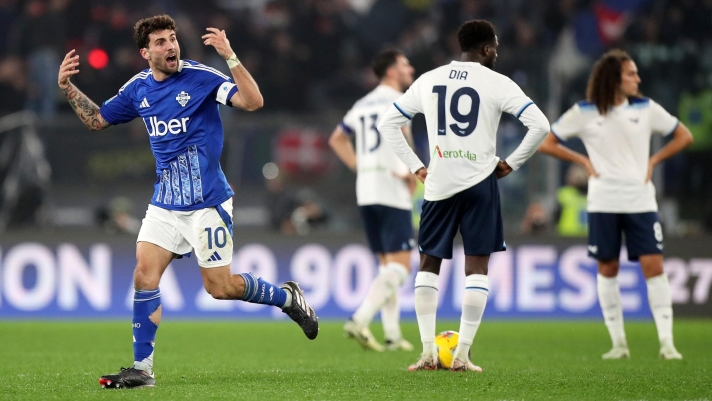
(207, 231)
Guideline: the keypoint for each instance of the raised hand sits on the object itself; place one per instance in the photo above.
(67, 69)
(218, 40)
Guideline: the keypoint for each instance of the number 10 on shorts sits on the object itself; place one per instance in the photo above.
(219, 237)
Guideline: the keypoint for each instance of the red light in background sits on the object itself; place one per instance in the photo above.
(98, 58)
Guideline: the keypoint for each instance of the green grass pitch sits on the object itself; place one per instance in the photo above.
(274, 361)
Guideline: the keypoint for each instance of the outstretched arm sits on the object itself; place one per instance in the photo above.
(85, 108)
(248, 96)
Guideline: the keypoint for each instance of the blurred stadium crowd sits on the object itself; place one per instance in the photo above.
(311, 57)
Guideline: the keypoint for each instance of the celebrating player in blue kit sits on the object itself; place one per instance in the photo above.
(191, 207)
(462, 103)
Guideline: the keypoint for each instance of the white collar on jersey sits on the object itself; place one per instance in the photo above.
(622, 106)
(389, 88)
(464, 63)
(180, 65)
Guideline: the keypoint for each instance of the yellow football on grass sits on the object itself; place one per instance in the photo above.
(446, 343)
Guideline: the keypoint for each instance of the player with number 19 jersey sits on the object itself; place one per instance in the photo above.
(463, 103)
(185, 130)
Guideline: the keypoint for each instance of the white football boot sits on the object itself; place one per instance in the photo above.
(425, 363)
(362, 335)
(668, 351)
(464, 366)
(617, 353)
(400, 344)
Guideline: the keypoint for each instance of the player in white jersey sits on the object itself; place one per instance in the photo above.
(383, 193)
(615, 124)
(462, 103)
(191, 209)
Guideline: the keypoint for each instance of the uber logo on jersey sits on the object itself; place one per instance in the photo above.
(157, 127)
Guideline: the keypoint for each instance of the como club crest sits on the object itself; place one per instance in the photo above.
(183, 98)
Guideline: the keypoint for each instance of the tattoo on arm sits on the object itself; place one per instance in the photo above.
(87, 110)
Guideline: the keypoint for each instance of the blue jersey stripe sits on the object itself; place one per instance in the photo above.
(195, 174)
(524, 108)
(408, 116)
(348, 130)
(168, 197)
(184, 178)
(159, 189)
(673, 129)
(175, 184)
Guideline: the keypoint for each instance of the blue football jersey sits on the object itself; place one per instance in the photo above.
(185, 131)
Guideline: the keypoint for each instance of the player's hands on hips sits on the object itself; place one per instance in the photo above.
(218, 40)
(422, 173)
(67, 69)
(503, 169)
(409, 180)
(651, 168)
(589, 167)
(412, 183)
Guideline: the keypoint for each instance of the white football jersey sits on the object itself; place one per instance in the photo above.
(618, 145)
(463, 103)
(378, 168)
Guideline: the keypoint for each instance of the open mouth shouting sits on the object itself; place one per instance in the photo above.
(172, 61)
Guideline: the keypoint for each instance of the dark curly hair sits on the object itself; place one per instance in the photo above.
(147, 26)
(474, 34)
(605, 79)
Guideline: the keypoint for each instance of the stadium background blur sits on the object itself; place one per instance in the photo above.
(65, 185)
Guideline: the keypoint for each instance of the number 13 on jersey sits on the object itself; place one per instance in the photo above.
(469, 118)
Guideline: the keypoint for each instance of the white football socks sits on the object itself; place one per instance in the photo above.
(390, 315)
(473, 306)
(609, 297)
(146, 365)
(426, 307)
(386, 283)
(661, 306)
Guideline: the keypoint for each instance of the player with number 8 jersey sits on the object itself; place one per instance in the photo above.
(615, 124)
(462, 103)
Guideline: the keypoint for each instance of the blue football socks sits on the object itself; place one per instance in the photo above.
(258, 291)
(144, 330)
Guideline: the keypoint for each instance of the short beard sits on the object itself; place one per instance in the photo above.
(164, 69)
